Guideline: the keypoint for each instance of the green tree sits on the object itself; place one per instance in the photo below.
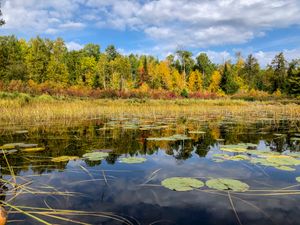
(104, 71)
(186, 62)
(57, 70)
(87, 70)
(206, 67)
(111, 52)
(91, 50)
(73, 63)
(121, 72)
(38, 58)
(228, 83)
(279, 66)
(12, 59)
(251, 72)
(293, 81)
(134, 63)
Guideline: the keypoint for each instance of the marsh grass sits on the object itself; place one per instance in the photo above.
(44, 111)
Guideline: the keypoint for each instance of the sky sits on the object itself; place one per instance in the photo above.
(219, 28)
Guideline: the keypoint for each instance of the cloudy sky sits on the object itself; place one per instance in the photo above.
(159, 27)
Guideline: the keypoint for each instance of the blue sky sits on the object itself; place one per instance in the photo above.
(218, 27)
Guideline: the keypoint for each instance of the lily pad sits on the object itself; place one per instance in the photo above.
(33, 149)
(10, 145)
(294, 154)
(197, 132)
(260, 153)
(133, 160)
(227, 184)
(285, 168)
(233, 149)
(64, 158)
(95, 156)
(182, 183)
(21, 132)
(176, 137)
(283, 160)
(239, 157)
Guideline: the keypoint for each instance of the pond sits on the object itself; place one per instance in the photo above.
(115, 171)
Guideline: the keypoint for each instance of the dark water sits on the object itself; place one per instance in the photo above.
(115, 191)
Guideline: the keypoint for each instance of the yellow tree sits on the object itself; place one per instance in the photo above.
(195, 81)
(215, 82)
(178, 81)
(165, 73)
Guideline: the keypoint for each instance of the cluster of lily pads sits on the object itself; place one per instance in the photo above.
(188, 184)
(249, 153)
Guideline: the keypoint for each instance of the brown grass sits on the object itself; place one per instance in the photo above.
(40, 112)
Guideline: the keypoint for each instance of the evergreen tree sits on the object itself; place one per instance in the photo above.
(250, 72)
(228, 84)
(111, 52)
(293, 81)
(280, 73)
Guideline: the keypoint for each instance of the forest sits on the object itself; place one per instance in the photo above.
(44, 66)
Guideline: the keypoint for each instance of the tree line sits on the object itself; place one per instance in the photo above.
(49, 61)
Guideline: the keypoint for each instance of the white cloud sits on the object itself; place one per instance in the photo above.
(264, 57)
(185, 23)
(74, 45)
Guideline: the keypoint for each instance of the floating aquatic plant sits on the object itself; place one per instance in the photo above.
(227, 184)
(176, 137)
(64, 158)
(33, 149)
(259, 153)
(133, 160)
(197, 132)
(10, 145)
(95, 156)
(182, 183)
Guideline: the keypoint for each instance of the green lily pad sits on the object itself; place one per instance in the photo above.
(285, 168)
(239, 157)
(95, 156)
(294, 154)
(132, 160)
(223, 184)
(64, 158)
(260, 153)
(182, 183)
(231, 149)
(38, 149)
(283, 160)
